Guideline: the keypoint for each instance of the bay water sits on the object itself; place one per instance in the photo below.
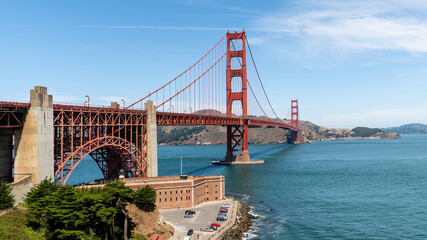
(351, 189)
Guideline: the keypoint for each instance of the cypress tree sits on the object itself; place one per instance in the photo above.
(6, 197)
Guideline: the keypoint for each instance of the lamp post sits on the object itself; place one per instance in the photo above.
(124, 103)
(88, 100)
(170, 109)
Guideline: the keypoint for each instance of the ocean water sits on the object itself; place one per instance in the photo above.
(352, 189)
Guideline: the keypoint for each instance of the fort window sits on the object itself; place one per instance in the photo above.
(171, 199)
(171, 192)
(166, 199)
(181, 191)
(176, 192)
(160, 200)
(176, 199)
(160, 193)
(181, 198)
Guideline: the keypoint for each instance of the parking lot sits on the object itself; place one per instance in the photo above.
(206, 214)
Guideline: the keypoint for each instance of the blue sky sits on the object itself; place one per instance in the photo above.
(350, 63)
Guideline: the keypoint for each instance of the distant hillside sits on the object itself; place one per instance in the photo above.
(365, 132)
(206, 135)
(412, 128)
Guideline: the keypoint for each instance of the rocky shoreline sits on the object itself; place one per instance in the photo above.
(242, 225)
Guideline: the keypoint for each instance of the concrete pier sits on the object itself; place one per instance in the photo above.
(34, 142)
(238, 160)
(151, 139)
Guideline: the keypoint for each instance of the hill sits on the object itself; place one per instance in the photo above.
(206, 135)
(412, 128)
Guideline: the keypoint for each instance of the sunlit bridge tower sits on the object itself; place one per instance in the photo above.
(237, 135)
(295, 122)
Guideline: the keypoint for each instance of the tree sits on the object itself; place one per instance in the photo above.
(35, 200)
(44, 188)
(6, 197)
(119, 196)
(64, 212)
(145, 198)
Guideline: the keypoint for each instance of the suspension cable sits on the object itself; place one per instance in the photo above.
(178, 75)
(262, 85)
(199, 76)
(250, 87)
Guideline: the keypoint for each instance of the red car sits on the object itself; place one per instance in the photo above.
(215, 225)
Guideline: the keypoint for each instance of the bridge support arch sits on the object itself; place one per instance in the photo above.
(112, 154)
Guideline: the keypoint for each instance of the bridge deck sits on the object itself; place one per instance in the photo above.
(163, 118)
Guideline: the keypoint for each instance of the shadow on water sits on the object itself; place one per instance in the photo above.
(283, 148)
(205, 170)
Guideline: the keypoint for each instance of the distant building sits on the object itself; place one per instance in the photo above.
(182, 191)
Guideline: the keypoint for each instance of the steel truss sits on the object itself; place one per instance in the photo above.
(116, 140)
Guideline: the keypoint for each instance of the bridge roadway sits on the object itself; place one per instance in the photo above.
(11, 116)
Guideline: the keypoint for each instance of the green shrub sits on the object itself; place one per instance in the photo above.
(145, 198)
(6, 197)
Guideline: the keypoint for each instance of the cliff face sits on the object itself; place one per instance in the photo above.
(206, 135)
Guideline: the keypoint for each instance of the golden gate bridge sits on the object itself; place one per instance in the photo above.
(215, 90)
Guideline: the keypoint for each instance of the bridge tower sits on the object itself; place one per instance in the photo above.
(295, 121)
(237, 136)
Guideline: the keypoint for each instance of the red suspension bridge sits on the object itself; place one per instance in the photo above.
(221, 88)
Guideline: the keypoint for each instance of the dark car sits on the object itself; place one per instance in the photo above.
(189, 212)
(190, 232)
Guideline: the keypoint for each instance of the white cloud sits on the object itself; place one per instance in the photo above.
(353, 25)
(378, 118)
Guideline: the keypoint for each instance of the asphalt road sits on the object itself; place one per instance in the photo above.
(206, 214)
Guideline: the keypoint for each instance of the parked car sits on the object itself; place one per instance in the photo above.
(216, 224)
(222, 218)
(190, 232)
(188, 216)
(190, 212)
(225, 206)
(213, 227)
(222, 210)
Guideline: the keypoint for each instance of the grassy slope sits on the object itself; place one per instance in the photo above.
(12, 226)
